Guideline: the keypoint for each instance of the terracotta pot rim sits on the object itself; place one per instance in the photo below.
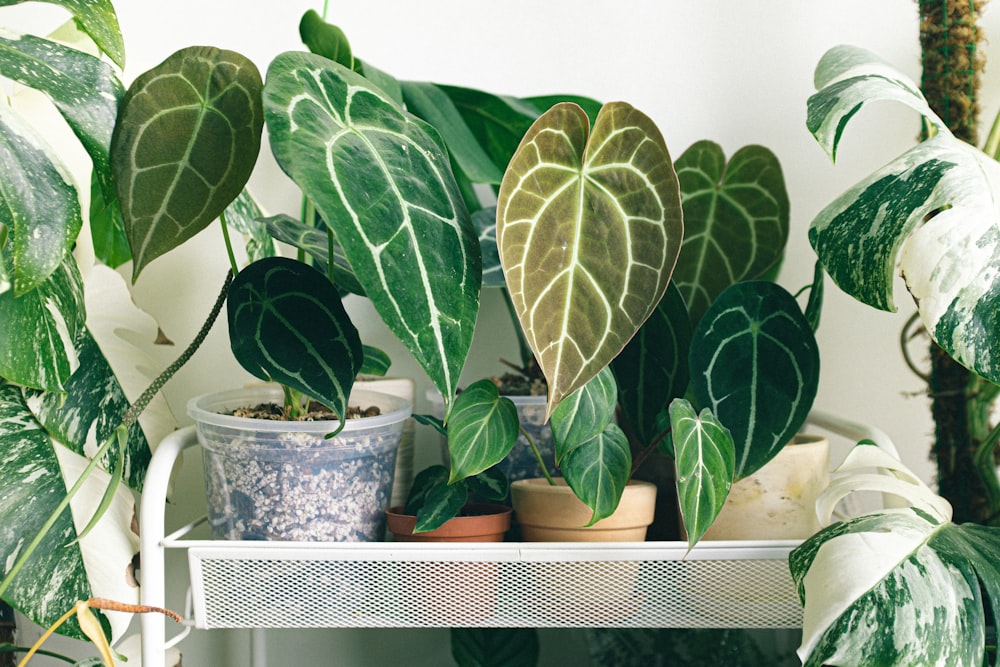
(486, 509)
(489, 525)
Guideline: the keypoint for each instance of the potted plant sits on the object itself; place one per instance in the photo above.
(933, 211)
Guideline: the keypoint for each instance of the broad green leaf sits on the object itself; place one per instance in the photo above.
(584, 414)
(735, 220)
(706, 460)
(316, 244)
(429, 102)
(39, 331)
(485, 222)
(107, 230)
(423, 482)
(287, 324)
(84, 89)
(481, 430)
(325, 39)
(383, 80)
(589, 226)
(376, 362)
(60, 571)
(98, 19)
(442, 502)
(490, 484)
(495, 647)
(245, 216)
(755, 365)
(932, 210)
(39, 205)
(652, 370)
(379, 179)
(543, 103)
(187, 139)
(598, 470)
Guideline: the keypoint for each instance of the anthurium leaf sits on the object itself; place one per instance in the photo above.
(706, 460)
(60, 571)
(39, 330)
(423, 482)
(39, 205)
(287, 324)
(543, 103)
(496, 647)
(910, 573)
(107, 230)
(652, 370)
(490, 484)
(383, 80)
(481, 430)
(598, 470)
(84, 89)
(584, 414)
(429, 102)
(485, 222)
(315, 243)
(755, 365)
(814, 307)
(933, 210)
(98, 19)
(244, 215)
(380, 180)
(187, 138)
(735, 220)
(376, 362)
(589, 226)
(325, 39)
(443, 502)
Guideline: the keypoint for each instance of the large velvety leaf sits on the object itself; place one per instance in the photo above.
(187, 139)
(735, 220)
(98, 19)
(38, 204)
(584, 414)
(589, 227)
(598, 470)
(287, 324)
(84, 89)
(379, 178)
(755, 365)
(39, 330)
(706, 460)
(933, 210)
(35, 473)
(652, 370)
(481, 431)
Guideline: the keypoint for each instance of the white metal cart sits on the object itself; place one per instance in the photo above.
(261, 585)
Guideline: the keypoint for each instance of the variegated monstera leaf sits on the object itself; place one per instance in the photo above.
(589, 225)
(899, 587)
(933, 210)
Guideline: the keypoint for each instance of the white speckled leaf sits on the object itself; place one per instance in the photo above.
(98, 19)
(933, 210)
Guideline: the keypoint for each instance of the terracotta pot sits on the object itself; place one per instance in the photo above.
(549, 513)
(778, 502)
(481, 523)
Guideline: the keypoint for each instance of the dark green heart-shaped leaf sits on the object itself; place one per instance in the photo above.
(442, 503)
(588, 228)
(497, 647)
(325, 39)
(490, 484)
(598, 470)
(755, 365)
(316, 243)
(107, 230)
(932, 211)
(245, 216)
(84, 89)
(38, 204)
(584, 414)
(376, 362)
(735, 220)
(381, 181)
(652, 370)
(39, 331)
(187, 139)
(481, 430)
(287, 324)
(705, 458)
(429, 102)
(98, 19)
(423, 482)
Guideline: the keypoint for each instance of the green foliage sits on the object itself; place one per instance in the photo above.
(495, 647)
(434, 500)
(482, 429)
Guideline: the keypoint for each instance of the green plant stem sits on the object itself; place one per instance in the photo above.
(229, 244)
(646, 451)
(538, 455)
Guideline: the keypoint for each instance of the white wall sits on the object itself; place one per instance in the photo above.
(731, 71)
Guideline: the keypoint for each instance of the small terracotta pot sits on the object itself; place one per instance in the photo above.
(481, 522)
(549, 513)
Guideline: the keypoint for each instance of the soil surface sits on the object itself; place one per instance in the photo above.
(315, 412)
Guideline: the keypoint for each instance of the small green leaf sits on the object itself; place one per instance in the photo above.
(315, 243)
(98, 19)
(705, 458)
(187, 139)
(376, 362)
(482, 429)
(814, 307)
(245, 216)
(325, 39)
(107, 230)
(598, 471)
(287, 324)
(751, 352)
(423, 482)
(589, 226)
(485, 222)
(491, 484)
(584, 414)
(442, 503)
(495, 647)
